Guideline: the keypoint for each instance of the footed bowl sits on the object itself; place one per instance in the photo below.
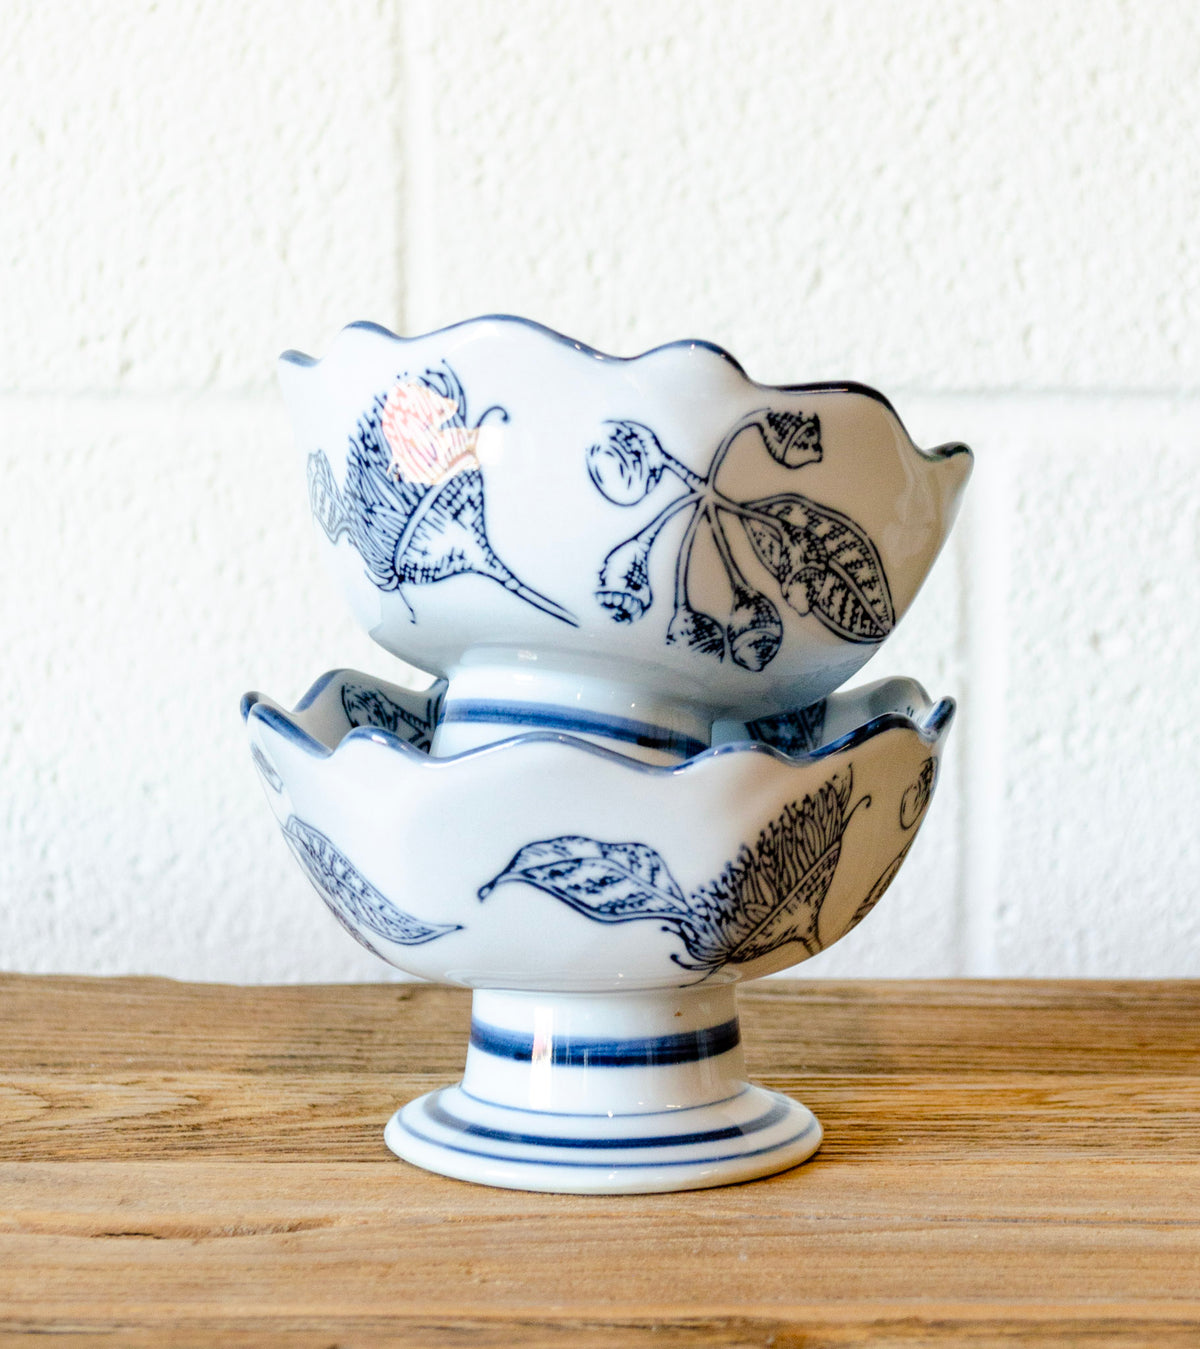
(602, 909)
(624, 549)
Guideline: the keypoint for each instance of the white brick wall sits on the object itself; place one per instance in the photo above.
(987, 209)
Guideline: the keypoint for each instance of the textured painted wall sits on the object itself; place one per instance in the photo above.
(987, 209)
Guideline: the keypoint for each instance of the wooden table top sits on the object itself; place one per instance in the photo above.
(1005, 1163)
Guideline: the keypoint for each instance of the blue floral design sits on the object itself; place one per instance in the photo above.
(819, 560)
(413, 503)
(796, 732)
(368, 706)
(769, 896)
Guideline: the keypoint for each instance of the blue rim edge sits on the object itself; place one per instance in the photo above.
(930, 729)
(947, 451)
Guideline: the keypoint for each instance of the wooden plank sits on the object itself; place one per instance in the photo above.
(805, 1327)
(76, 1024)
(797, 1028)
(340, 1117)
(1004, 1164)
(311, 1238)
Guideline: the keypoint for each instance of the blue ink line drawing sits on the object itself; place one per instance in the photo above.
(413, 503)
(352, 899)
(875, 894)
(266, 768)
(367, 706)
(915, 800)
(820, 560)
(770, 895)
(797, 732)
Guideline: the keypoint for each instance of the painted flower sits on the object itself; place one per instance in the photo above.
(425, 434)
(413, 500)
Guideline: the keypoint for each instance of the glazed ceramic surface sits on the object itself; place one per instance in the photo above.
(623, 548)
(625, 1093)
(602, 909)
(544, 862)
(633, 785)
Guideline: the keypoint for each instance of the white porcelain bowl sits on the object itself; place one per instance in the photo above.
(629, 549)
(602, 908)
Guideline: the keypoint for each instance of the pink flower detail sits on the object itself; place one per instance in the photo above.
(425, 448)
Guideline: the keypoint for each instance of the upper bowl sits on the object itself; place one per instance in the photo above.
(658, 540)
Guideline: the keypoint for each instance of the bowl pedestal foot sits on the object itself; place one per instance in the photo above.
(605, 1093)
(486, 703)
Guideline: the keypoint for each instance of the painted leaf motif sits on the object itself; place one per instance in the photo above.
(791, 557)
(268, 770)
(354, 901)
(769, 896)
(325, 499)
(613, 882)
(824, 562)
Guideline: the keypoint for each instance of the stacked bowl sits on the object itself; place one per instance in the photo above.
(637, 585)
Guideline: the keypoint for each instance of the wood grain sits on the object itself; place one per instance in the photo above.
(1005, 1163)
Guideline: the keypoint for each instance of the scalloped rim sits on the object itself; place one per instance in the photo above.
(947, 451)
(930, 728)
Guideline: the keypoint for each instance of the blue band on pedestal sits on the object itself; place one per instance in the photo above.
(440, 1115)
(610, 1158)
(571, 1052)
(548, 717)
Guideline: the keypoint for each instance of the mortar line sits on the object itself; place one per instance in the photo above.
(418, 180)
(988, 521)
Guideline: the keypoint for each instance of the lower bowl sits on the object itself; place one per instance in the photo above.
(603, 910)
